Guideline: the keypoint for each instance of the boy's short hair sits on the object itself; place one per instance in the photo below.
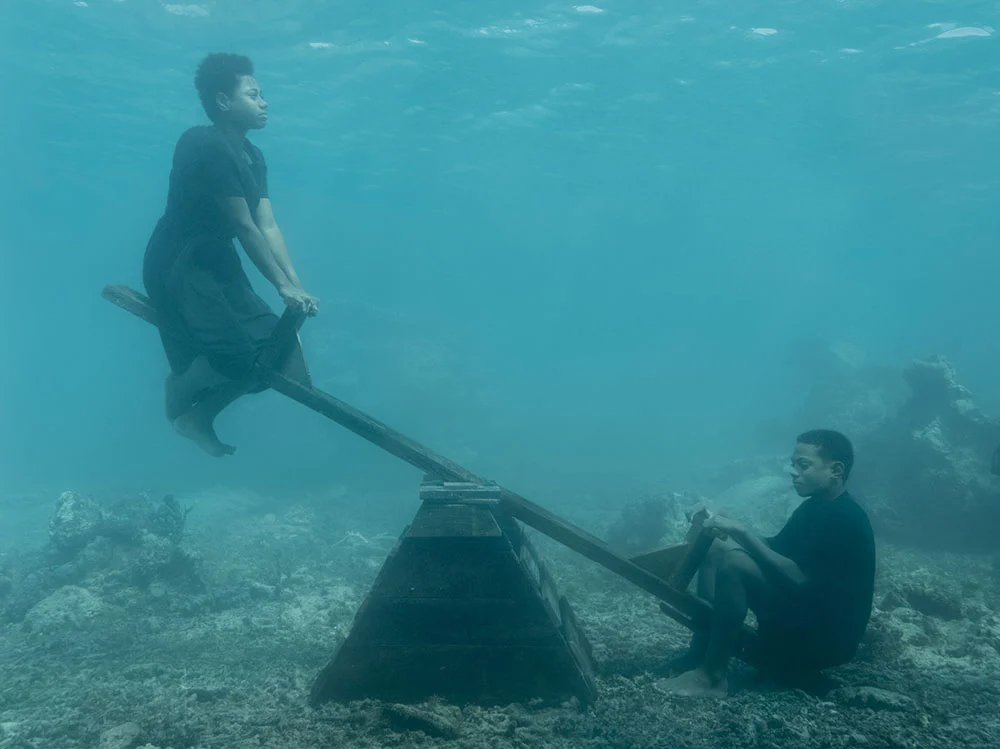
(830, 445)
(219, 71)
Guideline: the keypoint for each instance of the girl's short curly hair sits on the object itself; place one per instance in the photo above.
(219, 72)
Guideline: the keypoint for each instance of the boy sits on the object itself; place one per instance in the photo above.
(811, 586)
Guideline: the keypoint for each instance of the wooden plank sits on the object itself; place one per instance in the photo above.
(677, 616)
(692, 560)
(663, 561)
(689, 610)
(513, 531)
(347, 416)
(453, 521)
(132, 301)
(694, 609)
(598, 551)
(678, 563)
(581, 650)
(283, 340)
(549, 595)
(494, 675)
(530, 562)
(577, 640)
(371, 429)
(458, 491)
(426, 570)
(455, 621)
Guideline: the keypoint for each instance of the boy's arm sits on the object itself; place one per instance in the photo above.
(770, 561)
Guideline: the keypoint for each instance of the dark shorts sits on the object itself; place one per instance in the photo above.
(800, 649)
(795, 636)
(207, 305)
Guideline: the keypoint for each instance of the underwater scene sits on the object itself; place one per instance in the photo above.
(512, 375)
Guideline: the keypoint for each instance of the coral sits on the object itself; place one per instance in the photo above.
(160, 559)
(168, 520)
(123, 736)
(108, 667)
(93, 545)
(435, 720)
(75, 522)
(68, 607)
(873, 698)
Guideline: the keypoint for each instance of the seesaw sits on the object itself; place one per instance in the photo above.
(463, 606)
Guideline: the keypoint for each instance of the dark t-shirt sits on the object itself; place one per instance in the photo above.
(833, 544)
(206, 170)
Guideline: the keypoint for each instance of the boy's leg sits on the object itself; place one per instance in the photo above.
(705, 589)
(737, 581)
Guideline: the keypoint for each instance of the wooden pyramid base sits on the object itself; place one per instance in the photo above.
(462, 609)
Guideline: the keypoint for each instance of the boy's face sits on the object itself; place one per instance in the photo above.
(811, 473)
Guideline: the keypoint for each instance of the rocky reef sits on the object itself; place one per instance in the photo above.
(136, 542)
(924, 472)
(846, 388)
(924, 448)
(117, 660)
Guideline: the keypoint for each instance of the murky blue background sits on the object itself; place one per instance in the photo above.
(568, 246)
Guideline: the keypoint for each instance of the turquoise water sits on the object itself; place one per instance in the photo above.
(569, 246)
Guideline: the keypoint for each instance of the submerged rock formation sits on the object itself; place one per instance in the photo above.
(135, 541)
(924, 473)
(846, 390)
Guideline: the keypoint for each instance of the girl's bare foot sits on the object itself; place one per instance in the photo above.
(197, 427)
(179, 397)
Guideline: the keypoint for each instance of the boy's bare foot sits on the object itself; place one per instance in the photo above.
(688, 661)
(197, 427)
(695, 683)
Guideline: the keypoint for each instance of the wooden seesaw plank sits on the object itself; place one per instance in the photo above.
(337, 410)
(685, 608)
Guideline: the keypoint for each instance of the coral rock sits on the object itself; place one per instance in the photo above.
(75, 522)
(873, 698)
(124, 736)
(924, 474)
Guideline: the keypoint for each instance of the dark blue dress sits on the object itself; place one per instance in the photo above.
(191, 269)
